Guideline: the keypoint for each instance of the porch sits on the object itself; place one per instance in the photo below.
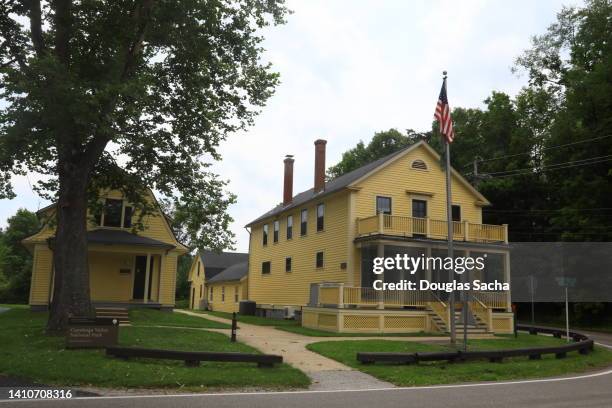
(394, 225)
(343, 308)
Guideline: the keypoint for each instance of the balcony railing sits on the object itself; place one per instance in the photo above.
(431, 228)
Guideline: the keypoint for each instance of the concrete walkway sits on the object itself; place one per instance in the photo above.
(325, 373)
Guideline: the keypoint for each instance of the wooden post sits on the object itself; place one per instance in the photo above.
(380, 253)
(381, 223)
(234, 327)
(466, 232)
(341, 296)
(505, 233)
(147, 278)
(427, 227)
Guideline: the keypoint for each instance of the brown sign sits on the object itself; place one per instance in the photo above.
(92, 333)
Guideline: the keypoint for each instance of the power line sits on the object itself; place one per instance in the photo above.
(543, 149)
(551, 210)
(552, 167)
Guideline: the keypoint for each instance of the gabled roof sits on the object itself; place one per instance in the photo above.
(221, 260)
(352, 177)
(232, 273)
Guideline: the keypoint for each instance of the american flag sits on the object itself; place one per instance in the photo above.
(443, 115)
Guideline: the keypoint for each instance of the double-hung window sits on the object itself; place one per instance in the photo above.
(265, 234)
(304, 222)
(383, 205)
(289, 226)
(320, 217)
(275, 232)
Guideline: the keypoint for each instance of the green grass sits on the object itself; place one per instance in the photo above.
(181, 304)
(150, 317)
(305, 331)
(446, 373)
(259, 321)
(14, 306)
(28, 353)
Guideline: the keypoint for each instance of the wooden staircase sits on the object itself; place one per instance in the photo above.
(119, 313)
(475, 324)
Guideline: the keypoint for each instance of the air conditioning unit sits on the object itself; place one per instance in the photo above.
(290, 312)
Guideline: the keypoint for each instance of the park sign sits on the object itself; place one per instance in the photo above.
(92, 332)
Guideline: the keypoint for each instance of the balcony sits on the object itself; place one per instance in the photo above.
(383, 224)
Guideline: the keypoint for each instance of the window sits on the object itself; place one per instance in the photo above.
(419, 208)
(222, 293)
(112, 212)
(289, 226)
(265, 267)
(419, 165)
(200, 291)
(276, 228)
(199, 270)
(115, 214)
(211, 294)
(383, 205)
(304, 222)
(265, 234)
(236, 294)
(319, 261)
(456, 212)
(288, 264)
(320, 217)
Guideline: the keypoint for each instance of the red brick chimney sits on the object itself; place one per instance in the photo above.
(319, 170)
(288, 182)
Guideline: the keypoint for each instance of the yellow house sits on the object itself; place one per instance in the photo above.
(127, 268)
(227, 289)
(205, 266)
(315, 250)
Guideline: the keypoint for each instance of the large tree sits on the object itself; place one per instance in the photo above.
(131, 95)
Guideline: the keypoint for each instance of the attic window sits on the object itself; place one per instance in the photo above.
(419, 165)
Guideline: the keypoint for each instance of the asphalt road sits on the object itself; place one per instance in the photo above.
(593, 390)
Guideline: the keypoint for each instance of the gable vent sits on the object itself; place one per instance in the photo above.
(419, 164)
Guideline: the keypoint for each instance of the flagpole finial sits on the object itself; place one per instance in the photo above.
(444, 73)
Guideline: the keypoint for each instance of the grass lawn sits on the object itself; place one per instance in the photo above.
(305, 331)
(445, 373)
(151, 317)
(28, 353)
(259, 321)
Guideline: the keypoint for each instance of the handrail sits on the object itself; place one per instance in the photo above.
(430, 228)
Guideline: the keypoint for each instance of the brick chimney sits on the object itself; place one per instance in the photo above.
(319, 170)
(288, 181)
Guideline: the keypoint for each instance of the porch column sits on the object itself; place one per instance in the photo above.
(380, 253)
(507, 279)
(147, 278)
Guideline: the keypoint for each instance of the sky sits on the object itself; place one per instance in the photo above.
(349, 68)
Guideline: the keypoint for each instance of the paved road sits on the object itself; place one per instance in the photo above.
(589, 391)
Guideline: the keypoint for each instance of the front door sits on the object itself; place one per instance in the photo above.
(140, 272)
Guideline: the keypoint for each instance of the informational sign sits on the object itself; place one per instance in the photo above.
(566, 282)
(92, 333)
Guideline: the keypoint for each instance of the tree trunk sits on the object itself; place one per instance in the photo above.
(71, 296)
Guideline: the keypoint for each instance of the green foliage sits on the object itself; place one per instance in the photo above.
(15, 260)
(132, 95)
(182, 274)
(381, 145)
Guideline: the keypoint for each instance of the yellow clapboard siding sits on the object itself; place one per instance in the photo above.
(198, 280)
(41, 275)
(227, 303)
(397, 177)
(293, 288)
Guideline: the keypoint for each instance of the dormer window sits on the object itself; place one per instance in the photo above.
(116, 214)
(419, 165)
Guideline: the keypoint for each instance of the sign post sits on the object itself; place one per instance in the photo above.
(566, 283)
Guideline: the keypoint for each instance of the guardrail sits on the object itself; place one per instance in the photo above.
(431, 228)
(582, 344)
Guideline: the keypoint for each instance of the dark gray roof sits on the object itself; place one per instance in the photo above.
(221, 260)
(233, 273)
(119, 237)
(331, 186)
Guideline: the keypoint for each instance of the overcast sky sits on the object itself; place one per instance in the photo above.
(350, 68)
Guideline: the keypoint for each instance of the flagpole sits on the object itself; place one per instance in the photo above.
(449, 221)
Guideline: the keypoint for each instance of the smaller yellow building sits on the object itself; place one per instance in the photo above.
(127, 267)
(205, 266)
(227, 289)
